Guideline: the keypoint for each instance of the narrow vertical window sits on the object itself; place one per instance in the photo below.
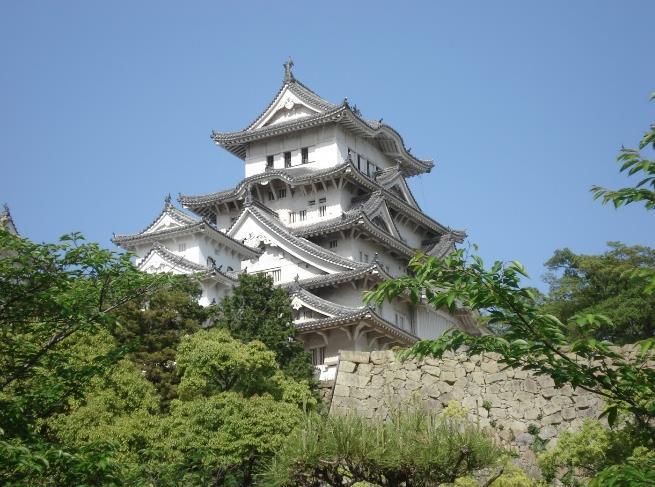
(281, 193)
(303, 215)
(181, 247)
(359, 163)
(287, 159)
(321, 210)
(304, 155)
(269, 161)
(333, 244)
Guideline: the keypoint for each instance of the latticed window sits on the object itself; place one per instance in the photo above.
(304, 155)
(322, 210)
(287, 159)
(281, 193)
(333, 244)
(303, 215)
(269, 161)
(318, 355)
(275, 274)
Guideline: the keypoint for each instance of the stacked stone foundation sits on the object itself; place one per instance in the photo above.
(516, 406)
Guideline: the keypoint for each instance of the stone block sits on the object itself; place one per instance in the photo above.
(357, 357)
(432, 370)
(547, 432)
(341, 391)
(554, 419)
(381, 357)
(530, 385)
(477, 377)
(346, 366)
(548, 392)
(569, 414)
(412, 385)
(469, 366)
(460, 372)
(531, 413)
(364, 369)
(489, 367)
(352, 380)
(360, 392)
(448, 376)
(551, 408)
(414, 375)
(491, 378)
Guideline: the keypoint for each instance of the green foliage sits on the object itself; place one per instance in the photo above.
(634, 163)
(412, 446)
(581, 455)
(236, 408)
(256, 310)
(532, 340)
(153, 326)
(51, 296)
(604, 284)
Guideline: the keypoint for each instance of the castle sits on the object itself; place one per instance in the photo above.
(325, 211)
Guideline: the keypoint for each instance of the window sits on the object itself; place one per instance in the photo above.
(400, 321)
(366, 258)
(281, 193)
(311, 202)
(292, 217)
(368, 169)
(318, 355)
(287, 159)
(360, 256)
(307, 313)
(359, 162)
(333, 244)
(271, 196)
(321, 200)
(181, 247)
(321, 210)
(350, 155)
(269, 161)
(304, 155)
(303, 215)
(275, 274)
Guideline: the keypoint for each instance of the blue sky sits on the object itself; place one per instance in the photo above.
(105, 107)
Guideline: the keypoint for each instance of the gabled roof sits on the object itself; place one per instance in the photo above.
(392, 179)
(373, 270)
(6, 221)
(185, 266)
(292, 175)
(367, 314)
(300, 296)
(363, 217)
(318, 112)
(180, 224)
(304, 174)
(302, 249)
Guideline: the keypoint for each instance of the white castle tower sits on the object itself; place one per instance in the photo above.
(325, 211)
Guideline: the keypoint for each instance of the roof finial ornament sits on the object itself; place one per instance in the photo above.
(167, 200)
(288, 73)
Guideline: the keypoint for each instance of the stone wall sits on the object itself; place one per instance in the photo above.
(505, 401)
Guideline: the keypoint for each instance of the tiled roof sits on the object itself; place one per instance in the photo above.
(374, 270)
(281, 231)
(323, 305)
(188, 228)
(366, 314)
(181, 263)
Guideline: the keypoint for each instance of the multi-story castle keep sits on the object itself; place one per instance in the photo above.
(325, 211)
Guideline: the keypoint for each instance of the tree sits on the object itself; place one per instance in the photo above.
(602, 284)
(256, 310)
(236, 409)
(635, 163)
(51, 296)
(532, 339)
(413, 447)
(152, 328)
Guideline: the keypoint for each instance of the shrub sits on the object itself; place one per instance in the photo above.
(412, 446)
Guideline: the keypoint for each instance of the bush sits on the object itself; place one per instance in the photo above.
(412, 446)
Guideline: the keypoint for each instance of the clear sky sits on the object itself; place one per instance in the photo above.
(105, 107)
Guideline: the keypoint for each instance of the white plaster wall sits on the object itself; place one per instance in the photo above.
(321, 141)
(363, 147)
(296, 201)
(432, 323)
(412, 238)
(276, 258)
